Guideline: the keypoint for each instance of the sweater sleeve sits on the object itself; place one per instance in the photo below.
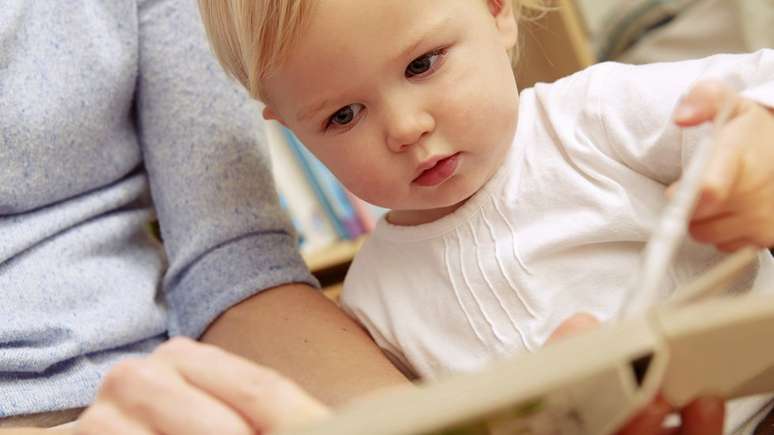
(225, 235)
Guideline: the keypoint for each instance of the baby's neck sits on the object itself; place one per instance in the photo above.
(419, 217)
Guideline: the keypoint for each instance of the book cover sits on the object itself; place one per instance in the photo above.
(699, 343)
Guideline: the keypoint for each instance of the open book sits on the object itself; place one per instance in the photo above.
(697, 343)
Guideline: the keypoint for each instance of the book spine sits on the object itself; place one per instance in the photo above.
(329, 190)
(315, 229)
(366, 219)
(376, 211)
(367, 214)
(300, 233)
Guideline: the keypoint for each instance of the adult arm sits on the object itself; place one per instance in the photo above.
(300, 333)
(38, 431)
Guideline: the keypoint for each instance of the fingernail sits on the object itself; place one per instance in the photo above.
(684, 112)
(708, 202)
(710, 404)
(661, 406)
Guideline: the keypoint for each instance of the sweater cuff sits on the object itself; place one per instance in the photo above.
(230, 274)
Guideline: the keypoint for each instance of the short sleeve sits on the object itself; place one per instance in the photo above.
(762, 66)
(630, 107)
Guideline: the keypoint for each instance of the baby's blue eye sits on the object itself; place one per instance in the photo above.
(346, 114)
(422, 64)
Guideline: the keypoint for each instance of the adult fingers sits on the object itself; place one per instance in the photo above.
(704, 416)
(734, 245)
(740, 168)
(753, 228)
(574, 324)
(720, 176)
(725, 166)
(703, 101)
(672, 189)
(720, 229)
(263, 397)
(156, 396)
(702, 104)
(103, 418)
(649, 421)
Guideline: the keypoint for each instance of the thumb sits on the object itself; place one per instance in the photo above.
(670, 191)
(702, 103)
(719, 179)
(574, 324)
(704, 416)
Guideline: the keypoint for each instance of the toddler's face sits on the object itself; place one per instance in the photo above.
(412, 104)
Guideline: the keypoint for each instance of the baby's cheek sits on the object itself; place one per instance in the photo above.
(371, 176)
(483, 112)
(374, 191)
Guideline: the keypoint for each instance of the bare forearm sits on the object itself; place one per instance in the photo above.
(24, 432)
(35, 431)
(301, 334)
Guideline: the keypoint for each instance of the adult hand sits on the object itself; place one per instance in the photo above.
(190, 388)
(703, 416)
(736, 202)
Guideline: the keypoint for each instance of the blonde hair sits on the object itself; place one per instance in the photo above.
(251, 38)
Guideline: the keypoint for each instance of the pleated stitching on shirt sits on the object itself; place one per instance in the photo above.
(513, 236)
(457, 293)
(489, 283)
(507, 275)
(473, 294)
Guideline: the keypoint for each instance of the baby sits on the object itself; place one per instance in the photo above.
(510, 212)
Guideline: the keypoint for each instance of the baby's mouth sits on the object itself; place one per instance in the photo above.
(439, 172)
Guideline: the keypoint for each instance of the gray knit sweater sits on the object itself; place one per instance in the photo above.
(103, 106)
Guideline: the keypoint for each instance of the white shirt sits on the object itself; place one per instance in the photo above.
(559, 228)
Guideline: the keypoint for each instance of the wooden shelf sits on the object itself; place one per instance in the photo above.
(334, 255)
(333, 292)
(553, 46)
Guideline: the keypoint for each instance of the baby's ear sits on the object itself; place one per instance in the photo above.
(269, 114)
(505, 20)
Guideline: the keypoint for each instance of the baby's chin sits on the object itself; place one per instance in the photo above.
(453, 195)
(438, 208)
(423, 215)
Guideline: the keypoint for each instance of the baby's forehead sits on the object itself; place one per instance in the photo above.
(346, 49)
(379, 24)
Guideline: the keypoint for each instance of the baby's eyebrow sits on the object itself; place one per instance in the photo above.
(415, 40)
(420, 36)
(307, 112)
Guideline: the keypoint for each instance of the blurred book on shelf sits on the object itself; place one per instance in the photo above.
(315, 230)
(324, 213)
(330, 193)
(367, 213)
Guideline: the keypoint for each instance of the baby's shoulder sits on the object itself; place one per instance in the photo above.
(382, 263)
(378, 257)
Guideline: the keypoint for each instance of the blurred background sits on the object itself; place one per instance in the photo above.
(578, 33)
